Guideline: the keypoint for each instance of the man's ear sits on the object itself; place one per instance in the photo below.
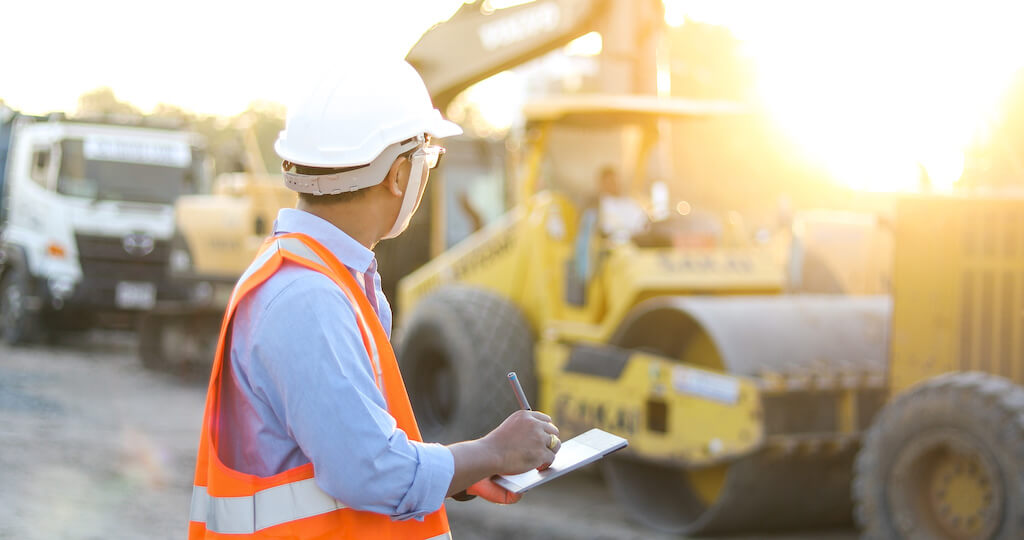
(395, 174)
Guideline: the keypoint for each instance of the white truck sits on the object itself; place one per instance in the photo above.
(87, 220)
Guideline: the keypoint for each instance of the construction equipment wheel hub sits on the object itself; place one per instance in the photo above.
(951, 485)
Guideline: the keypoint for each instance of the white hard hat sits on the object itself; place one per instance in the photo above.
(350, 117)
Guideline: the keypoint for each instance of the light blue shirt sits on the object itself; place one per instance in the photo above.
(300, 388)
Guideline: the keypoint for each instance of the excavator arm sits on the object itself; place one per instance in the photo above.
(477, 42)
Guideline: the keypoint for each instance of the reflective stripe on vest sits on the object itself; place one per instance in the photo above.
(291, 503)
(269, 507)
(272, 506)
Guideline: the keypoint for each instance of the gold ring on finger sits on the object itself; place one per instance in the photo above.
(553, 442)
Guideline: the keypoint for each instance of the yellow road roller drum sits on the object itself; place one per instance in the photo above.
(747, 408)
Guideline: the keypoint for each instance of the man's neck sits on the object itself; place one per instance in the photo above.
(359, 221)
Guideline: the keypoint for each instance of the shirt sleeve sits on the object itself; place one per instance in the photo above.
(311, 351)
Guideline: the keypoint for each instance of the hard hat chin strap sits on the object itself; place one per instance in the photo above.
(410, 197)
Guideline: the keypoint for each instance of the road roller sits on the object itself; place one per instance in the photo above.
(742, 395)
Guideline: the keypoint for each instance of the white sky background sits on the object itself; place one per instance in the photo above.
(871, 88)
(216, 56)
(209, 56)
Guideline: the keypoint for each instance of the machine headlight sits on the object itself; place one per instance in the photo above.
(180, 260)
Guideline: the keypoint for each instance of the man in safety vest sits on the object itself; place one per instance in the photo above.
(308, 431)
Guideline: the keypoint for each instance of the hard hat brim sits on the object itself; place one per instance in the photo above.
(440, 128)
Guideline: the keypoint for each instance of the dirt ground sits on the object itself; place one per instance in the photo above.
(93, 446)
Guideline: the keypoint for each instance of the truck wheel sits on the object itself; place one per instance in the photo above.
(945, 460)
(455, 352)
(18, 324)
(151, 341)
(179, 341)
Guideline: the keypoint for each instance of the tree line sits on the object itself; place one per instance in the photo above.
(224, 134)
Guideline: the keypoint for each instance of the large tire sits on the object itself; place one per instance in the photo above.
(151, 341)
(18, 324)
(179, 341)
(455, 352)
(945, 460)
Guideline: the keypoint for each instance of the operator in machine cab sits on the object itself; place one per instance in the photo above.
(619, 217)
(610, 215)
(308, 431)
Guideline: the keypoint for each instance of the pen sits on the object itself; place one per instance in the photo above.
(518, 389)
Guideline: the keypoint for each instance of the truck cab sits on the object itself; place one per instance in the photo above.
(86, 221)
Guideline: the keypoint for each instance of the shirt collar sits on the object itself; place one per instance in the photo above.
(350, 252)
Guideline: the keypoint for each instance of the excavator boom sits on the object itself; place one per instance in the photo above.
(477, 43)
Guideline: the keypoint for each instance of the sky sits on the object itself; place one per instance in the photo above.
(210, 56)
(867, 88)
(871, 88)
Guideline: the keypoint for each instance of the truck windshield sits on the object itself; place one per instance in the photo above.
(151, 176)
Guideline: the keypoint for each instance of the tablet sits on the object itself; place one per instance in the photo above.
(581, 450)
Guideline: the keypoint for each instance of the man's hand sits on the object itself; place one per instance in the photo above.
(523, 442)
(490, 491)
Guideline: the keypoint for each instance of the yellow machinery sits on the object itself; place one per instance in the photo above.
(823, 251)
(837, 252)
(226, 227)
(945, 458)
(218, 235)
(742, 405)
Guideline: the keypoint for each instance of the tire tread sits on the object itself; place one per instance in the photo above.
(993, 402)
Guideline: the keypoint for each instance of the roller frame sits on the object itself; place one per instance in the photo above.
(588, 385)
(779, 410)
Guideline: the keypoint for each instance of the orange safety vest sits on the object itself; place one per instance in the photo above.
(228, 504)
